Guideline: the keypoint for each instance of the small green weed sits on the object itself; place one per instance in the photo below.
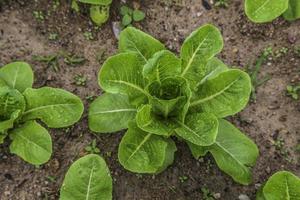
(129, 15)
(222, 3)
(88, 35)
(80, 80)
(207, 195)
(253, 71)
(293, 91)
(38, 15)
(183, 179)
(92, 148)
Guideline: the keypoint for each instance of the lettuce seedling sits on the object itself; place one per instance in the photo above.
(261, 11)
(99, 9)
(87, 178)
(21, 106)
(281, 185)
(157, 96)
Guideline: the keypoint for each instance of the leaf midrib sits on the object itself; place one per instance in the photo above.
(194, 54)
(47, 106)
(259, 8)
(139, 146)
(191, 130)
(90, 181)
(195, 103)
(130, 85)
(114, 111)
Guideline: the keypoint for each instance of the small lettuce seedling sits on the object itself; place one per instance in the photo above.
(261, 11)
(99, 9)
(281, 185)
(21, 106)
(157, 96)
(88, 178)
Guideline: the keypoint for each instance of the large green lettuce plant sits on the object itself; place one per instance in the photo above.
(21, 106)
(158, 96)
(261, 11)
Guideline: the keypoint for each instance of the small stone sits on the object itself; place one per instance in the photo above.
(243, 197)
(257, 186)
(7, 193)
(235, 50)
(268, 170)
(217, 195)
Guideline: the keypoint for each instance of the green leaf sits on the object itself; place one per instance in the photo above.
(2, 137)
(126, 20)
(224, 95)
(199, 129)
(99, 14)
(110, 113)
(197, 151)
(11, 100)
(138, 15)
(55, 107)
(282, 185)
(134, 40)
(122, 74)
(143, 152)
(293, 11)
(197, 49)
(234, 152)
(151, 123)
(213, 68)
(170, 98)
(75, 6)
(259, 194)
(17, 75)
(9, 123)
(87, 179)
(125, 10)
(261, 11)
(97, 2)
(31, 142)
(162, 65)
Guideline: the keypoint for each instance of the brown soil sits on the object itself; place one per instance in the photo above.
(274, 116)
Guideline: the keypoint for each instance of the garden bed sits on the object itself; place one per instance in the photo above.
(272, 120)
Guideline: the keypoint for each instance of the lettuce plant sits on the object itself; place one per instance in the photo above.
(261, 11)
(99, 9)
(88, 178)
(158, 96)
(281, 185)
(21, 106)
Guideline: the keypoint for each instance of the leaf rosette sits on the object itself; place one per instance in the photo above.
(21, 106)
(158, 96)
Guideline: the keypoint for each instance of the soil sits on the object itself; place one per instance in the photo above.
(274, 116)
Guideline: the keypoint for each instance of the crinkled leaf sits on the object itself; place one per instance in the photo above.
(122, 74)
(11, 100)
(55, 107)
(170, 97)
(110, 113)
(197, 49)
(87, 179)
(151, 123)
(282, 185)
(162, 65)
(224, 95)
(97, 2)
(213, 68)
(125, 10)
(17, 75)
(199, 129)
(134, 40)
(144, 152)
(197, 151)
(99, 14)
(234, 152)
(2, 137)
(293, 11)
(9, 123)
(261, 11)
(31, 142)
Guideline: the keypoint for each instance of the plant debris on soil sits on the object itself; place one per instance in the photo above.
(45, 28)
